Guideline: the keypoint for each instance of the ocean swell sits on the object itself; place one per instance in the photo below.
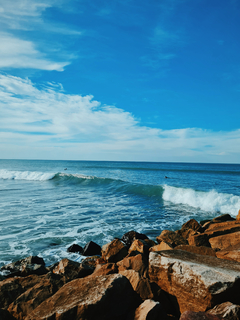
(25, 175)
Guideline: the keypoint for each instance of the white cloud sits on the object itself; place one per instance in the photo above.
(47, 123)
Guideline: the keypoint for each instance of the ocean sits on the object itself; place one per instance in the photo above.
(46, 206)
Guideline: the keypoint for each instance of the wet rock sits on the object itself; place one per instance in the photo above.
(198, 250)
(199, 240)
(114, 251)
(223, 218)
(230, 253)
(75, 248)
(91, 249)
(25, 267)
(150, 310)
(132, 235)
(198, 282)
(96, 298)
(172, 238)
(67, 268)
(46, 286)
(137, 262)
(226, 310)
(222, 228)
(191, 315)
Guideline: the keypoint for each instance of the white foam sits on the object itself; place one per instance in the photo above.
(25, 175)
(211, 201)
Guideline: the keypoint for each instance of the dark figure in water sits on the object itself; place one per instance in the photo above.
(65, 169)
(166, 177)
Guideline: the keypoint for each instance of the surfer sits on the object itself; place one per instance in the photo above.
(65, 169)
(166, 177)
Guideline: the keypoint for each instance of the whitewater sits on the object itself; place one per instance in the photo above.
(46, 206)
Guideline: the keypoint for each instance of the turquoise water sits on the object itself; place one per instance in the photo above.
(48, 205)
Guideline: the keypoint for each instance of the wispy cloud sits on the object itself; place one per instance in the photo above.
(23, 49)
(59, 125)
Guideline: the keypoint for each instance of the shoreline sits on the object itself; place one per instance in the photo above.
(193, 269)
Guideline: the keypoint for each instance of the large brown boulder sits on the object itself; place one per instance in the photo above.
(137, 262)
(132, 235)
(25, 303)
(162, 246)
(224, 241)
(191, 315)
(105, 269)
(198, 282)
(140, 246)
(230, 253)
(226, 310)
(172, 238)
(198, 250)
(114, 251)
(96, 298)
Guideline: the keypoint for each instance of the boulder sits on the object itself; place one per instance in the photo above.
(91, 249)
(114, 251)
(238, 216)
(230, 253)
(140, 285)
(198, 250)
(226, 310)
(191, 315)
(223, 218)
(105, 269)
(68, 268)
(75, 248)
(222, 228)
(140, 246)
(224, 241)
(137, 262)
(25, 303)
(132, 235)
(25, 267)
(150, 310)
(96, 298)
(198, 282)
(172, 238)
(199, 240)
(11, 288)
(162, 246)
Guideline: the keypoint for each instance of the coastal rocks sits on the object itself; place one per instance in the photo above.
(198, 250)
(140, 246)
(132, 235)
(75, 248)
(91, 249)
(238, 216)
(162, 246)
(25, 267)
(136, 262)
(198, 282)
(150, 310)
(114, 251)
(224, 241)
(230, 253)
(95, 298)
(171, 238)
(226, 310)
(105, 269)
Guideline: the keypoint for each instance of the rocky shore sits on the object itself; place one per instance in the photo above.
(191, 273)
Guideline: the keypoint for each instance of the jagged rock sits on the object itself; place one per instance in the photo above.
(150, 310)
(25, 303)
(172, 238)
(11, 288)
(230, 253)
(162, 246)
(139, 246)
(67, 268)
(191, 315)
(5, 315)
(75, 248)
(224, 241)
(25, 267)
(198, 250)
(222, 228)
(199, 240)
(130, 236)
(198, 282)
(91, 249)
(114, 251)
(138, 263)
(96, 298)
(139, 284)
(226, 310)
(223, 218)
(105, 269)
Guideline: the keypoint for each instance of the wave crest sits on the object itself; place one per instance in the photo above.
(25, 175)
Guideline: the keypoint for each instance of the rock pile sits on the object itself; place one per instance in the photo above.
(192, 274)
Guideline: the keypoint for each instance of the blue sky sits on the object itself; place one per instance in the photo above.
(120, 80)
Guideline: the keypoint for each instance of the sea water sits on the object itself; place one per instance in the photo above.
(46, 206)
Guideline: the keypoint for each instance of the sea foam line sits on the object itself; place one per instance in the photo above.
(211, 201)
(25, 175)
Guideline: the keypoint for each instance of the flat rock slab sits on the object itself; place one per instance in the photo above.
(198, 282)
(96, 298)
